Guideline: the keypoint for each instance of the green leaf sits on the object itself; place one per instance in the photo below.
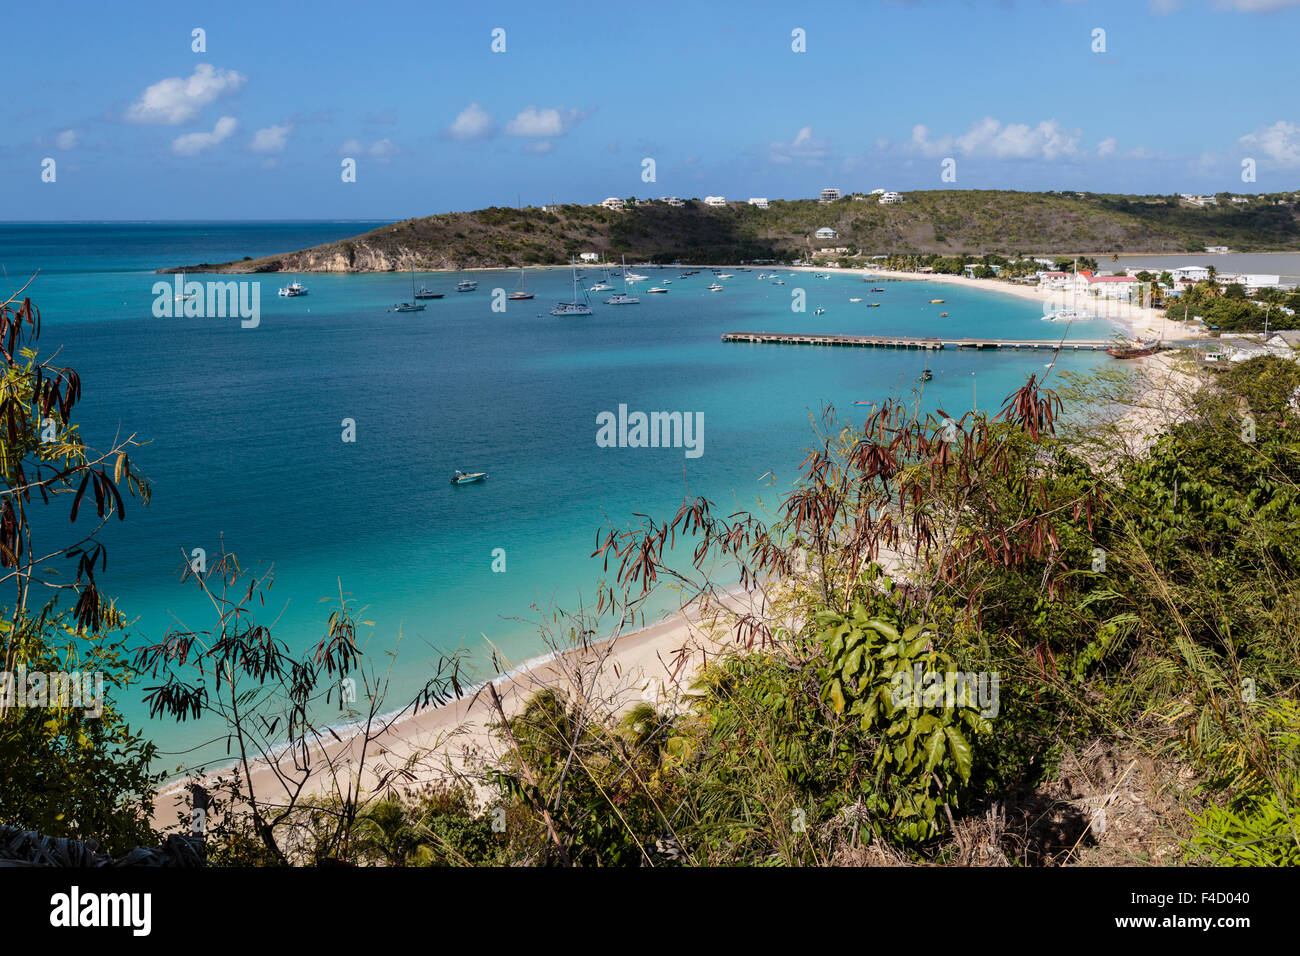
(960, 752)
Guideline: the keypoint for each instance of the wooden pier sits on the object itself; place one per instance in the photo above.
(928, 343)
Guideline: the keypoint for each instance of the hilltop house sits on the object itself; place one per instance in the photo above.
(589, 257)
(758, 201)
(715, 200)
(829, 194)
(826, 232)
(888, 198)
(1198, 200)
(613, 202)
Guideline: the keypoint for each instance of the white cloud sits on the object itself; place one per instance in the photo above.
(191, 144)
(67, 139)
(1106, 146)
(174, 100)
(543, 123)
(1257, 6)
(473, 122)
(1279, 142)
(382, 150)
(271, 139)
(989, 138)
(804, 147)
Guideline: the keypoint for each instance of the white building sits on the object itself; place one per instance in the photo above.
(1216, 248)
(1107, 287)
(888, 198)
(589, 257)
(826, 232)
(674, 201)
(1198, 200)
(1055, 281)
(829, 194)
(759, 201)
(1193, 273)
(877, 192)
(715, 200)
(613, 202)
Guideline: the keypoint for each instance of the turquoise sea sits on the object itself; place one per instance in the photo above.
(245, 425)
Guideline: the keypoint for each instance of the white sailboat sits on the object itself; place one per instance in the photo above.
(566, 309)
(622, 298)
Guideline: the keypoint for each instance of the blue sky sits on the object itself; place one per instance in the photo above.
(141, 127)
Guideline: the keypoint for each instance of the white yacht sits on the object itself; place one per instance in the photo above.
(466, 285)
(293, 289)
(716, 288)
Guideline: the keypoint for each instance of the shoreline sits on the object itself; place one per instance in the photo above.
(454, 737)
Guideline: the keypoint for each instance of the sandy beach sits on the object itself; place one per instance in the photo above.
(656, 664)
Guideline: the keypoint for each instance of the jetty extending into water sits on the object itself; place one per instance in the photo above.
(929, 343)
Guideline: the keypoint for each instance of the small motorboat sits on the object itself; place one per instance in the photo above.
(818, 311)
(654, 290)
(715, 288)
(427, 294)
(877, 289)
(408, 307)
(466, 285)
(461, 478)
(936, 301)
(943, 315)
(873, 305)
(855, 300)
(926, 376)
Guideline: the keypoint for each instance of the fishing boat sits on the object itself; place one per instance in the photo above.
(1133, 351)
(294, 289)
(459, 477)
(466, 285)
(523, 292)
(567, 309)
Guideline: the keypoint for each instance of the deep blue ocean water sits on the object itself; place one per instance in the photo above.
(245, 424)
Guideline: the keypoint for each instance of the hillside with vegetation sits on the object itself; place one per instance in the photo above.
(933, 221)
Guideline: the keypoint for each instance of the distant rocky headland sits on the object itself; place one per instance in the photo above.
(929, 221)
